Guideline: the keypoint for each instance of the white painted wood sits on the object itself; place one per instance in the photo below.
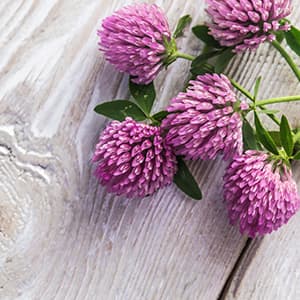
(61, 235)
(270, 268)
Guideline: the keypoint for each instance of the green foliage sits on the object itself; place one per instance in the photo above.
(144, 95)
(223, 60)
(279, 36)
(256, 87)
(186, 182)
(202, 69)
(199, 63)
(293, 39)
(201, 32)
(249, 138)
(264, 137)
(297, 156)
(276, 138)
(160, 115)
(286, 136)
(182, 24)
(119, 110)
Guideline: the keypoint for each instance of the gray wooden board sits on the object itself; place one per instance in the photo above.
(61, 235)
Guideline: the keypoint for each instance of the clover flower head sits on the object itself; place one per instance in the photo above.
(245, 24)
(260, 194)
(133, 159)
(136, 40)
(205, 120)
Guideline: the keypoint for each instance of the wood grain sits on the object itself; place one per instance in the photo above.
(61, 235)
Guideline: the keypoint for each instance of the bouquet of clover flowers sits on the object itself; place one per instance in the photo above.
(139, 152)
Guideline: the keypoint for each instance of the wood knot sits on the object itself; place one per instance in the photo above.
(8, 226)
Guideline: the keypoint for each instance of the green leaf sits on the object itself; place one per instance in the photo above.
(293, 39)
(286, 136)
(296, 132)
(202, 69)
(160, 115)
(186, 182)
(202, 59)
(257, 86)
(182, 23)
(279, 36)
(297, 148)
(223, 60)
(119, 110)
(144, 95)
(276, 137)
(297, 156)
(249, 139)
(264, 136)
(201, 32)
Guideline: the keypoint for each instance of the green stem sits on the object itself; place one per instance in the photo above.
(248, 95)
(184, 55)
(277, 100)
(242, 90)
(288, 58)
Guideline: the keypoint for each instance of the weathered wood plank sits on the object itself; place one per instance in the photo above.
(270, 267)
(61, 235)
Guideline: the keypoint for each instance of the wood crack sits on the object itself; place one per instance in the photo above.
(234, 271)
(62, 236)
(7, 148)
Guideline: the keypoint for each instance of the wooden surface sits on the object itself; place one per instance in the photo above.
(61, 236)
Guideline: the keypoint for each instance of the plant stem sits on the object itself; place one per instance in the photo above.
(288, 58)
(248, 95)
(277, 100)
(184, 55)
(242, 90)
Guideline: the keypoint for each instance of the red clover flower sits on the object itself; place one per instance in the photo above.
(137, 40)
(206, 119)
(133, 159)
(260, 194)
(245, 24)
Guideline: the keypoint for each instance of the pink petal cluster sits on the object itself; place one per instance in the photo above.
(259, 196)
(133, 39)
(133, 159)
(244, 24)
(205, 120)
